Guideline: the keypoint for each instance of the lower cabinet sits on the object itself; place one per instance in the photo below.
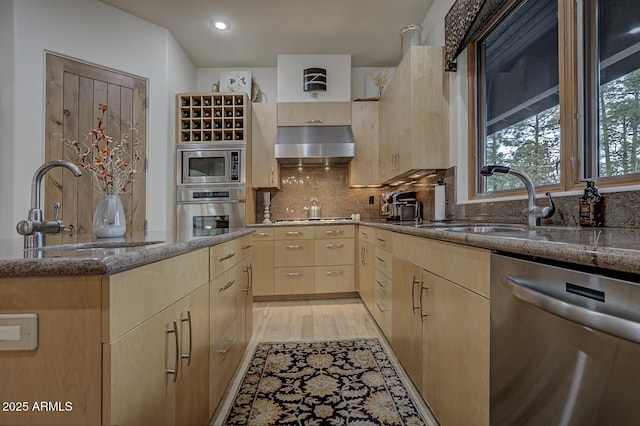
(366, 269)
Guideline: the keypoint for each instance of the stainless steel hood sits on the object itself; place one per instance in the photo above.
(314, 145)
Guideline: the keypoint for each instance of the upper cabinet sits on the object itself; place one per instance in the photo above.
(265, 171)
(314, 113)
(363, 169)
(414, 115)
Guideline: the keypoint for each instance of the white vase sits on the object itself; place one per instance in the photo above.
(109, 220)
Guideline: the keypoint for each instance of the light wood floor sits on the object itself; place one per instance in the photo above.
(304, 320)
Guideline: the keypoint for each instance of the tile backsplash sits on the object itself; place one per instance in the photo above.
(338, 200)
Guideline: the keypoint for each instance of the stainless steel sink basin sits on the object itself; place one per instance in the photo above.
(94, 245)
(487, 229)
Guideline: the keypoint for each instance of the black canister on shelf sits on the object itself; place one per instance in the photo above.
(591, 206)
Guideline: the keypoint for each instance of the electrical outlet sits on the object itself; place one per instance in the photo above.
(372, 199)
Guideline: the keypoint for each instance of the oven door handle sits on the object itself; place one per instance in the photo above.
(609, 324)
(210, 202)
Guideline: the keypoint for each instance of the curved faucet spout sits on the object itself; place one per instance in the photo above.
(36, 183)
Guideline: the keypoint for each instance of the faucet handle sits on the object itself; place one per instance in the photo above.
(547, 212)
(56, 211)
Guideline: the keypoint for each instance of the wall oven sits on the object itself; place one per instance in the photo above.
(209, 210)
(200, 164)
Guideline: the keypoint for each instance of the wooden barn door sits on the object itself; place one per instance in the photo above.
(73, 92)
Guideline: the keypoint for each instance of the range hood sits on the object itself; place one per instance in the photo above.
(314, 145)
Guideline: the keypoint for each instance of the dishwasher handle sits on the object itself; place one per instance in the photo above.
(609, 324)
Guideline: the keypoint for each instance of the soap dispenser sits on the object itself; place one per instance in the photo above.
(591, 206)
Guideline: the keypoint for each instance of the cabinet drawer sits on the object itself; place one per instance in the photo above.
(383, 290)
(334, 279)
(336, 231)
(263, 234)
(245, 245)
(314, 113)
(294, 233)
(366, 234)
(223, 293)
(382, 316)
(224, 256)
(334, 252)
(383, 261)
(226, 352)
(294, 253)
(383, 239)
(294, 280)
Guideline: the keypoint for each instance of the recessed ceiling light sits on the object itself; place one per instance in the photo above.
(220, 24)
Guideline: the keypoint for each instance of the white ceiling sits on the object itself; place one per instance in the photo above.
(368, 30)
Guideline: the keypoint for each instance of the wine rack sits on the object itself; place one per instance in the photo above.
(212, 117)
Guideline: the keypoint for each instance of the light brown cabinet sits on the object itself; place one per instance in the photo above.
(263, 262)
(414, 115)
(363, 169)
(314, 113)
(366, 269)
(265, 171)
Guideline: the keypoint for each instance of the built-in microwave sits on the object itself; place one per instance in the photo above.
(201, 164)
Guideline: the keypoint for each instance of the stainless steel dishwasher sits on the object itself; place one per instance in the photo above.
(565, 345)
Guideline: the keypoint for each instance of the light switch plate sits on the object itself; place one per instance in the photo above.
(18, 332)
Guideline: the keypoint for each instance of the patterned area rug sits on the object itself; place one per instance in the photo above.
(347, 382)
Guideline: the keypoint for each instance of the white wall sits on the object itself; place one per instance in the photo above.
(90, 31)
(7, 138)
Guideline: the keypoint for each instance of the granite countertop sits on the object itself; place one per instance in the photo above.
(16, 262)
(616, 249)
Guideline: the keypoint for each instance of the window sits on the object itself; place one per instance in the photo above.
(522, 71)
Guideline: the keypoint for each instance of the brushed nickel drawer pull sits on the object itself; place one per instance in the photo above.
(293, 233)
(248, 246)
(422, 313)
(227, 257)
(227, 285)
(262, 234)
(380, 284)
(296, 246)
(381, 239)
(223, 352)
(380, 259)
(333, 273)
(177, 363)
(314, 121)
(332, 246)
(294, 274)
(188, 355)
(337, 232)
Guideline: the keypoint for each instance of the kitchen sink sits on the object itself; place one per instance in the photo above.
(94, 245)
(486, 229)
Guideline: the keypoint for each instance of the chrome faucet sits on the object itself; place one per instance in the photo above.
(535, 212)
(34, 228)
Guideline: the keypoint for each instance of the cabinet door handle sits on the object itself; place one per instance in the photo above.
(227, 257)
(380, 284)
(248, 287)
(337, 232)
(381, 259)
(250, 276)
(333, 273)
(227, 285)
(261, 234)
(293, 233)
(295, 246)
(413, 300)
(188, 355)
(223, 352)
(294, 274)
(314, 121)
(332, 246)
(177, 340)
(381, 239)
(247, 247)
(422, 313)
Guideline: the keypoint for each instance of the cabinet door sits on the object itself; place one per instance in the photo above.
(245, 299)
(455, 380)
(334, 279)
(363, 169)
(192, 391)
(265, 171)
(263, 268)
(334, 252)
(406, 320)
(366, 275)
(314, 113)
(137, 387)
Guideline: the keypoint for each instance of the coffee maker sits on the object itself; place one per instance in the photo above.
(401, 205)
